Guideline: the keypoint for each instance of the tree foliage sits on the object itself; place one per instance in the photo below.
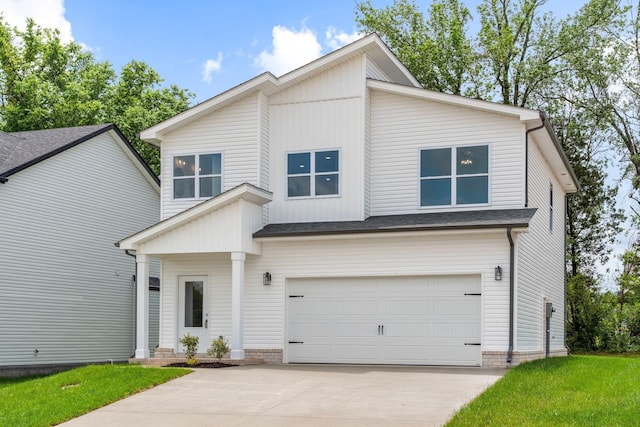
(45, 84)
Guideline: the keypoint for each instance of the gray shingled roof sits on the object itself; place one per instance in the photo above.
(411, 222)
(19, 150)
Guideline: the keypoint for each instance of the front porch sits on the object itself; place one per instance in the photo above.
(219, 227)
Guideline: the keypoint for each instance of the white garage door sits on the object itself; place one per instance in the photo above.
(410, 320)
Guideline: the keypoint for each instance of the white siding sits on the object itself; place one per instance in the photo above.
(335, 124)
(401, 126)
(375, 72)
(342, 81)
(66, 290)
(433, 254)
(234, 131)
(541, 261)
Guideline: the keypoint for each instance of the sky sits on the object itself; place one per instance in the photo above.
(210, 46)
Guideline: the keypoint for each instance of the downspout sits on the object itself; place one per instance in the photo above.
(511, 293)
(526, 160)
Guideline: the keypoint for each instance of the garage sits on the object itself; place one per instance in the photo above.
(425, 320)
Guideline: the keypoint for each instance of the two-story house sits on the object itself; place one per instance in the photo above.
(342, 214)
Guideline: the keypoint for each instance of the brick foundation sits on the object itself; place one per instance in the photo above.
(166, 356)
(498, 359)
(270, 356)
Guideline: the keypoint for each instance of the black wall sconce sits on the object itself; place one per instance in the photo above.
(266, 279)
(498, 273)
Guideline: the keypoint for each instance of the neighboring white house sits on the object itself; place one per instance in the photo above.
(342, 214)
(67, 295)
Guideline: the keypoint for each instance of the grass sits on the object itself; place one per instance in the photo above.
(563, 391)
(50, 400)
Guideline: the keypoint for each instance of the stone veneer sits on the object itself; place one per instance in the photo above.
(270, 356)
(498, 359)
(165, 356)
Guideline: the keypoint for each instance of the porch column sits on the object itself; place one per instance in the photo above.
(142, 306)
(237, 305)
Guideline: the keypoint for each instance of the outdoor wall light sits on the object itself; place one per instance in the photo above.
(498, 273)
(266, 279)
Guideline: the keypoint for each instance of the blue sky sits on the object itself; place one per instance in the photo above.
(207, 46)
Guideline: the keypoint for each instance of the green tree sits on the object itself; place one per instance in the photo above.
(45, 84)
(585, 311)
(435, 48)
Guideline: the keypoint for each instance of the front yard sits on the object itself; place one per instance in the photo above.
(49, 400)
(568, 391)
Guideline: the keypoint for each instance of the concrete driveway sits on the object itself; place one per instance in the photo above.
(300, 395)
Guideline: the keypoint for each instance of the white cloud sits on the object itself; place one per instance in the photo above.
(336, 39)
(291, 49)
(211, 66)
(47, 14)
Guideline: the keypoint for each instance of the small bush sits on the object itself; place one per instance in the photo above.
(190, 344)
(219, 348)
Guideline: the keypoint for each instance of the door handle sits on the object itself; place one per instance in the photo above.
(382, 329)
(206, 323)
(378, 329)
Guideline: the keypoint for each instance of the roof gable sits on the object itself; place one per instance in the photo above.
(269, 84)
(20, 150)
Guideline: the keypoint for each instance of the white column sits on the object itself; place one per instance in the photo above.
(142, 306)
(237, 305)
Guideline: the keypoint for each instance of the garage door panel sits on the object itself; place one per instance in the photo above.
(408, 308)
(311, 329)
(356, 307)
(398, 320)
(347, 329)
(456, 330)
(407, 330)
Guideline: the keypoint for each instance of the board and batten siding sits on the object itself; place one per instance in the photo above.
(66, 290)
(401, 126)
(430, 254)
(312, 126)
(233, 131)
(541, 261)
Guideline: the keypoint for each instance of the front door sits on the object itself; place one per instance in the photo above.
(193, 316)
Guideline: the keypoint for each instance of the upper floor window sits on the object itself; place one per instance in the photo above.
(313, 173)
(197, 176)
(454, 176)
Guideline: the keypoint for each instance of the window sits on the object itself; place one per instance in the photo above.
(197, 176)
(454, 176)
(313, 173)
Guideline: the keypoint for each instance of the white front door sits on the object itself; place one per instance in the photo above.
(193, 316)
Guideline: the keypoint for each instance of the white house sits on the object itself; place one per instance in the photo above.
(67, 295)
(342, 214)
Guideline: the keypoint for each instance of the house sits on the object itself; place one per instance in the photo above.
(67, 295)
(342, 214)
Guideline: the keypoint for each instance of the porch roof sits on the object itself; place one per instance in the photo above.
(224, 223)
(460, 220)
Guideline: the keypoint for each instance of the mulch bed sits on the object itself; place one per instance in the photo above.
(201, 365)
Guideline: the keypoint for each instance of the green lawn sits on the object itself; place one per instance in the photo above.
(49, 400)
(562, 391)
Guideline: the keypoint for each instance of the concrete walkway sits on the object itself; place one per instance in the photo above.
(307, 395)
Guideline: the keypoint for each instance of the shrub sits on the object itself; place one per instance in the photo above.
(190, 344)
(219, 348)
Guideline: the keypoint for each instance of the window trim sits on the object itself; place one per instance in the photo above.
(453, 176)
(196, 176)
(312, 174)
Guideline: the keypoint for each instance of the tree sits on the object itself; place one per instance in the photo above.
(435, 49)
(45, 84)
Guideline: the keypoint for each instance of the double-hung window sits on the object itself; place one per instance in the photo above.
(313, 174)
(454, 176)
(197, 176)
